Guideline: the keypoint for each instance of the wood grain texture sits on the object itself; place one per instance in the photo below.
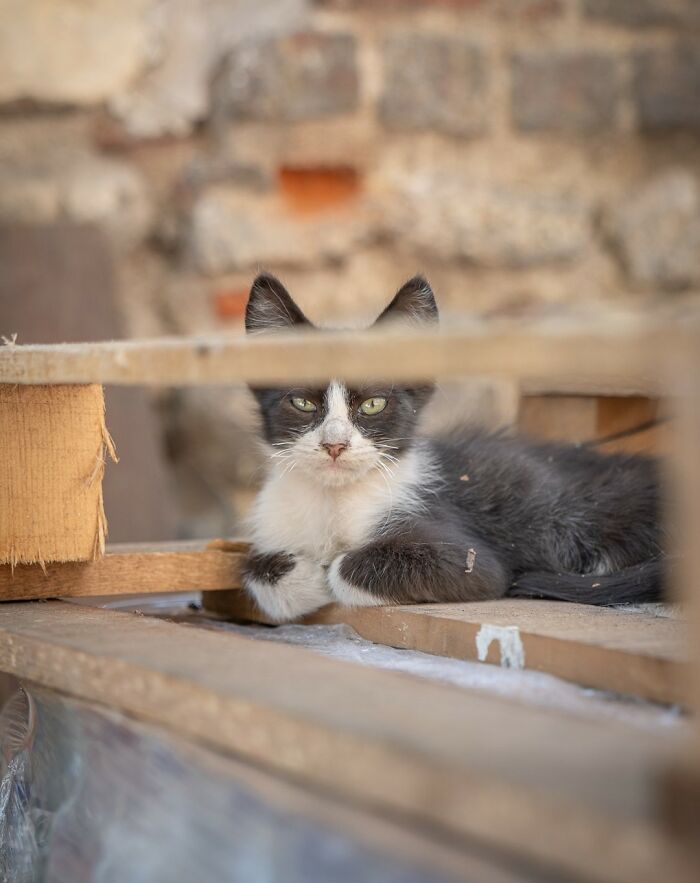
(630, 355)
(612, 423)
(682, 779)
(559, 418)
(469, 766)
(129, 569)
(52, 457)
(632, 653)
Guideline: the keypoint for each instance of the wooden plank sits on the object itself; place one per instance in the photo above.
(609, 649)
(628, 354)
(138, 569)
(470, 766)
(559, 418)
(53, 445)
(617, 414)
(613, 423)
(682, 782)
(633, 653)
(655, 441)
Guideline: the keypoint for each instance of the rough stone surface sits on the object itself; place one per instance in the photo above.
(489, 226)
(657, 231)
(81, 189)
(232, 230)
(529, 9)
(645, 13)
(62, 51)
(576, 92)
(667, 87)
(434, 82)
(303, 77)
(192, 37)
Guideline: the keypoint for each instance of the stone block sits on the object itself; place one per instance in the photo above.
(191, 38)
(302, 77)
(656, 231)
(434, 82)
(573, 92)
(58, 51)
(667, 87)
(233, 230)
(80, 188)
(644, 13)
(452, 218)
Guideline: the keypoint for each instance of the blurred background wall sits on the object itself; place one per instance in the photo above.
(155, 153)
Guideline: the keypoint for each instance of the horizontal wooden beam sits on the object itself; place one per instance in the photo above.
(629, 356)
(633, 653)
(575, 796)
(129, 569)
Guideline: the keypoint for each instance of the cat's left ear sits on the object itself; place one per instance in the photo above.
(271, 307)
(413, 303)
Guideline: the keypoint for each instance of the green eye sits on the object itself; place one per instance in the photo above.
(302, 404)
(373, 406)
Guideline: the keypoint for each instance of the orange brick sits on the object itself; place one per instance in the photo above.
(230, 303)
(312, 190)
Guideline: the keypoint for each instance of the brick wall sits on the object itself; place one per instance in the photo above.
(516, 151)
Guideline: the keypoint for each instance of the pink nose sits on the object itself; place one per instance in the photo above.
(334, 451)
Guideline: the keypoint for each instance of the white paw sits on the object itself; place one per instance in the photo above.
(347, 594)
(301, 591)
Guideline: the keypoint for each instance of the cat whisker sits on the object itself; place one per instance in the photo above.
(288, 468)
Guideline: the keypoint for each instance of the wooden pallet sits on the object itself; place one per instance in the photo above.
(470, 768)
(572, 798)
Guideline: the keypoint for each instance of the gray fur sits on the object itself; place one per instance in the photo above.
(497, 513)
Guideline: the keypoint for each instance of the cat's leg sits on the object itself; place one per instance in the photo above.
(285, 586)
(419, 566)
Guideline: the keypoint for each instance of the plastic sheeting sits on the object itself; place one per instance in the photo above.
(88, 795)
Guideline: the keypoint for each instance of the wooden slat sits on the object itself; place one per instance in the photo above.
(683, 777)
(559, 418)
(629, 355)
(655, 441)
(612, 423)
(574, 795)
(137, 569)
(634, 653)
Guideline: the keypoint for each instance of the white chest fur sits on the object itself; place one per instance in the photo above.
(293, 513)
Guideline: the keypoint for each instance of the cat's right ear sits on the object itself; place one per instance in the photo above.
(414, 304)
(271, 307)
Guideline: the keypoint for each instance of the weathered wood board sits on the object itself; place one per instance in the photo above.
(465, 765)
(609, 423)
(627, 356)
(129, 569)
(635, 653)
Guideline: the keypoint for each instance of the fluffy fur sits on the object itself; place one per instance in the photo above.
(357, 508)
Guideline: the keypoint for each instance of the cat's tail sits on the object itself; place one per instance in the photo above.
(642, 583)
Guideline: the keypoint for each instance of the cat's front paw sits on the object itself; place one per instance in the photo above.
(348, 586)
(284, 586)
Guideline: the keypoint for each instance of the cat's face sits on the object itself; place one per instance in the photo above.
(336, 434)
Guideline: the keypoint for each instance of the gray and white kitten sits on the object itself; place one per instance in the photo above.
(358, 509)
